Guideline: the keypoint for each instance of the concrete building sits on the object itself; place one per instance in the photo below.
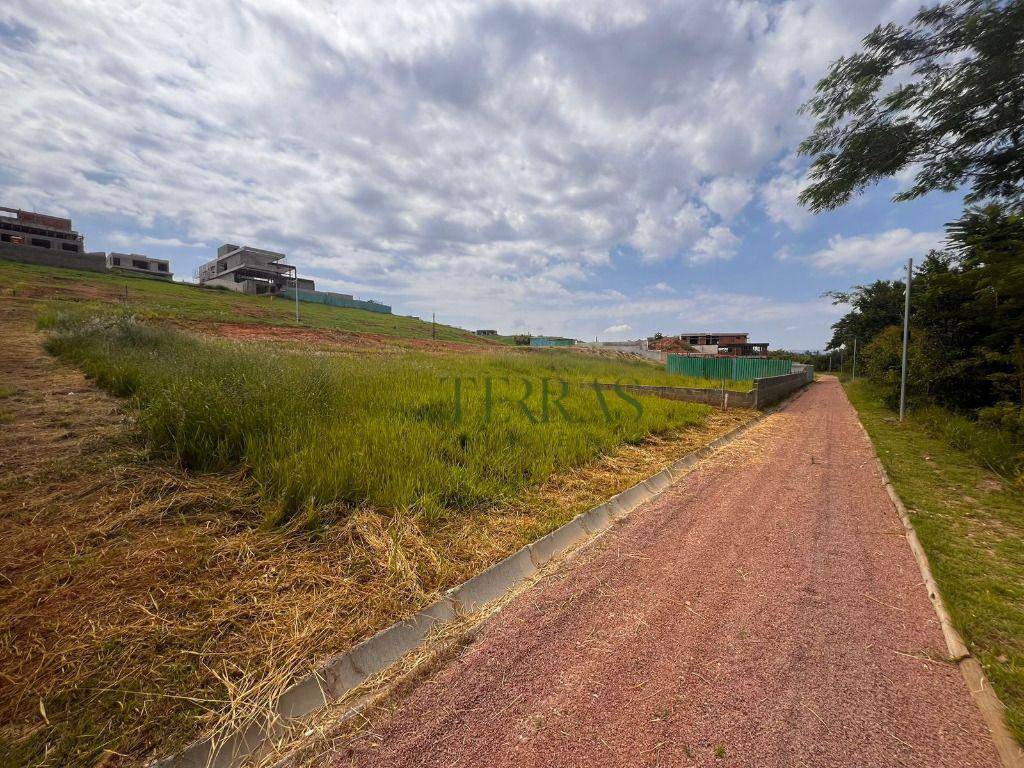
(640, 347)
(250, 270)
(731, 344)
(35, 238)
(486, 332)
(140, 265)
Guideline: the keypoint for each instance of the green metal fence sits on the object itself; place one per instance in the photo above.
(550, 341)
(334, 300)
(731, 368)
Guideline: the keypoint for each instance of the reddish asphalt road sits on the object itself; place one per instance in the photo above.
(764, 611)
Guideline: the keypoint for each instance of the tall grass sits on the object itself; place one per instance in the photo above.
(384, 431)
(998, 450)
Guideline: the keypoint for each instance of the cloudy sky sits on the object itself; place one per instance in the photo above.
(590, 169)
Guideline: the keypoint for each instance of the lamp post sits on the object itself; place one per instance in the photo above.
(906, 338)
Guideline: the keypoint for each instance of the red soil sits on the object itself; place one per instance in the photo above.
(334, 338)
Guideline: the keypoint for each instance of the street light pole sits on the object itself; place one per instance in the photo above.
(906, 339)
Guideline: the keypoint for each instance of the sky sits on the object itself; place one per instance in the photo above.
(596, 170)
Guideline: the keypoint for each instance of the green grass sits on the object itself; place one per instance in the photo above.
(177, 301)
(384, 431)
(992, 448)
(971, 523)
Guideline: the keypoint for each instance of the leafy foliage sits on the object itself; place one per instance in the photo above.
(966, 329)
(944, 95)
(875, 308)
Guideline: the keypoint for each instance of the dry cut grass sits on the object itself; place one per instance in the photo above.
(141, 606)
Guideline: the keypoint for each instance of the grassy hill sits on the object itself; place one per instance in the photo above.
(180, 301)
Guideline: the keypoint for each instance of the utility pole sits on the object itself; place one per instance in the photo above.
(854, 377)
(433, 325)
(906, 339)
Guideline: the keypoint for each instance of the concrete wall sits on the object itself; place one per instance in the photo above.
(26, 254)
(336, 300)
(715, 397)
(766, 391)
(771, 390)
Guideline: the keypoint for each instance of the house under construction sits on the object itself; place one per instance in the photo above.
(251, 270)
(35, 238)
(720, 344)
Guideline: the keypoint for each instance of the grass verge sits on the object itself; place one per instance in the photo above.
(971, 523)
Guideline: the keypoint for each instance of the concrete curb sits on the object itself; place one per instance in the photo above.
(1011, 755)
(348, 671)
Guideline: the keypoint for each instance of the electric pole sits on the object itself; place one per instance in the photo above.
(906, 339)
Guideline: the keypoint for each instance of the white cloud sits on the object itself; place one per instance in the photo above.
(135, 240)
(618, 329)
(664, 229)
(478, 158)
(661, 287)
(779, 198)
(727, 196)
(718, 243)
(870, 253)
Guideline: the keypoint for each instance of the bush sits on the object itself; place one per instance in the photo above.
(883, 359)
(986, 441)
(1006, 417)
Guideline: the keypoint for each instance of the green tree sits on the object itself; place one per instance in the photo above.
(989, 241)
(874, 307)
(944, 94)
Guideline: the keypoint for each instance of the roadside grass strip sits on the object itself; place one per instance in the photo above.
(970, 522)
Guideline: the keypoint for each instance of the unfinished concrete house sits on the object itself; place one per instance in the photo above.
(138, 264)
(250, 270)
(35, 238)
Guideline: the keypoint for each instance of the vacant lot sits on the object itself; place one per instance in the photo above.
(971, 522)
(440, 434)
(174, 301)
(174, 559)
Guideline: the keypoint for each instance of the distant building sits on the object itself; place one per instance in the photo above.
(250, 270)
(639, 347)
(730, 344)
(140, 265)
(35, 238)
(486, 332)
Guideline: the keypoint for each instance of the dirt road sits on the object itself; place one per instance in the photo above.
(765, 611)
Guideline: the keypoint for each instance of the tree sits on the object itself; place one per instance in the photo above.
(875, 307)
(989, 241)
(944, 94)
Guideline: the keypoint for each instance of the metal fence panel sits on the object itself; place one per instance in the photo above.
(730, 368)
